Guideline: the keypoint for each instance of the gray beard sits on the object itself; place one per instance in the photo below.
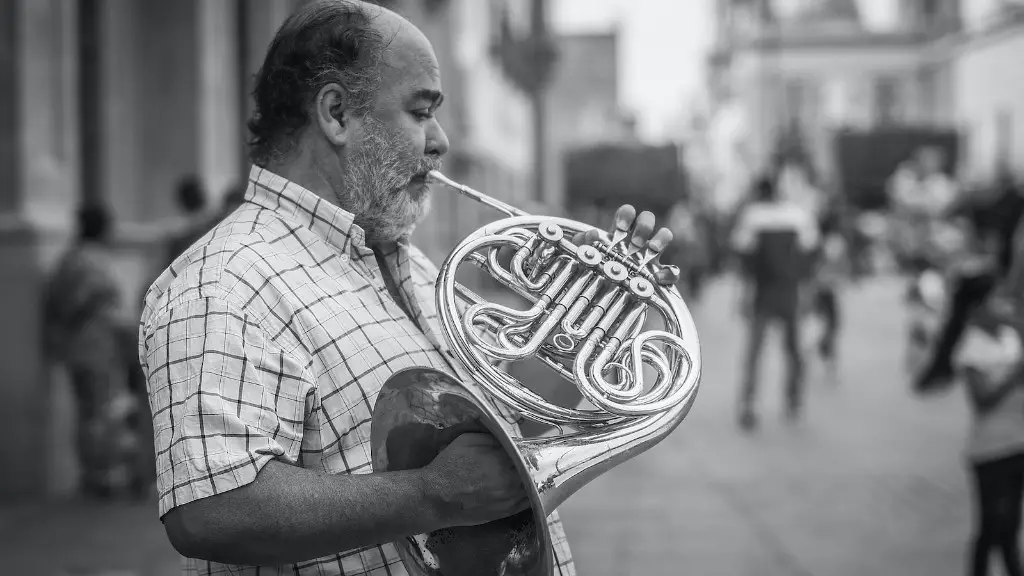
(376, 187)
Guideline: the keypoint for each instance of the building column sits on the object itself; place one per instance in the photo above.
(121, 140)
(258, 22)
(40, 171)
(221, 130)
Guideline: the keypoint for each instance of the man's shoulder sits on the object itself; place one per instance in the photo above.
(239, 251)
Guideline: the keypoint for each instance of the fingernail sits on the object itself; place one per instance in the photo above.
(622, 224)
(656, 245)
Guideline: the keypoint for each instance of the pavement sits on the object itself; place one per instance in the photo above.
(869, 482)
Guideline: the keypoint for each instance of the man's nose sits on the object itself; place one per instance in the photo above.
(437, 140)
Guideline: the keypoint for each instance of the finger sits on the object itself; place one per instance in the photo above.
(587, 238)
(624, 218)
(661, 239)
(642, 228)
(667, 276)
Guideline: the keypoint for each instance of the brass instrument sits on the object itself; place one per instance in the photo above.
(589, 308)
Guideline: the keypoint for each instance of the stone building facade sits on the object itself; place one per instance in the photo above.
(117, 100)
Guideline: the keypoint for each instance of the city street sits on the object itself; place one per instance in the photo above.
(869, 482)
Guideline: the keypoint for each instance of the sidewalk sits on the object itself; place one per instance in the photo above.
(870, 483)
(80, 538)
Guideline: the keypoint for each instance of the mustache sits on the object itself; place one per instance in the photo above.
(427, 165)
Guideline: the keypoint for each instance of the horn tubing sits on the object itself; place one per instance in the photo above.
(507, 209)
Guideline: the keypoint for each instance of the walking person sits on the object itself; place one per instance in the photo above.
(774, 240)
(688, 250)
(831, 270)
(83, 327)
(192, 199)
(990, 360)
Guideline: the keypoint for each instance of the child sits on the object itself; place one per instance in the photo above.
(990, 362)
(832, 269)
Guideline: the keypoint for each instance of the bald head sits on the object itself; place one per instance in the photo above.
(345, 105)
(353, 44)
(406, 49)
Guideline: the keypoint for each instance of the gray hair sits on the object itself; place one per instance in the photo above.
(323, 42)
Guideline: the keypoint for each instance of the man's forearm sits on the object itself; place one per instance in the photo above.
(290, 515)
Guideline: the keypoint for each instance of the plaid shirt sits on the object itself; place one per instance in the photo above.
(271, 338)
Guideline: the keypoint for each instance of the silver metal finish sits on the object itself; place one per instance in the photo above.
(588, 307)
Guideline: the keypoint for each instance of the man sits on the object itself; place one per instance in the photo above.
(991, 267)
(831, 270)
(774, 240)
(265, 345)
(192, 199)
(938, 189)
(688, 250)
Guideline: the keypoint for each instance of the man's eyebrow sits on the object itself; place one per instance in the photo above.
(434, 96)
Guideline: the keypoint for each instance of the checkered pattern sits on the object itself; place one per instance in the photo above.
(271, 338)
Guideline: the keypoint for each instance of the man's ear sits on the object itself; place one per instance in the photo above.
(333, 115)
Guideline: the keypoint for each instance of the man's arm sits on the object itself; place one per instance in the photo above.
(985, 394)
(290, 514)
(743, 240)
(230, 405)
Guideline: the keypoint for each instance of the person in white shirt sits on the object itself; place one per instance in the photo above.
(990, 361)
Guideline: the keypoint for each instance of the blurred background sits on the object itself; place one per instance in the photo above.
(570, 108)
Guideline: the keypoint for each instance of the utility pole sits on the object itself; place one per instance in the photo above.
(529, 62)
(542, 60)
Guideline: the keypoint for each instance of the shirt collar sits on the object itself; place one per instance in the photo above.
(299, 206)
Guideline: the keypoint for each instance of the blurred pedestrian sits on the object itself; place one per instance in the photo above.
(973, 272)
(232, 200)
(832, 269)
(774, 240)
(192, 201)
(990, 361)
(688, 249)
(84, 326)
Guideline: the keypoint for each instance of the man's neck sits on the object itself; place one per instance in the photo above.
(301, 169)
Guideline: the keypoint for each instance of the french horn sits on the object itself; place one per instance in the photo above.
(587, 321)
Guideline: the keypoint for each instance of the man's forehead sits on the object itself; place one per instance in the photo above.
(411, 75)
(411, 57)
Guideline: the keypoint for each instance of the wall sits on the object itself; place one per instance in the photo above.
(825, 87)
(583, 100)
(165, 91)
(988, 82)
(487, 120)
(39, 87)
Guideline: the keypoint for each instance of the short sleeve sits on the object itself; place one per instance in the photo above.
(744, 233)
(226, 399)
(808, 232)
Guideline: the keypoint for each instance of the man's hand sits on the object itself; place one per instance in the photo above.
(474, 481)
(634, 233)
